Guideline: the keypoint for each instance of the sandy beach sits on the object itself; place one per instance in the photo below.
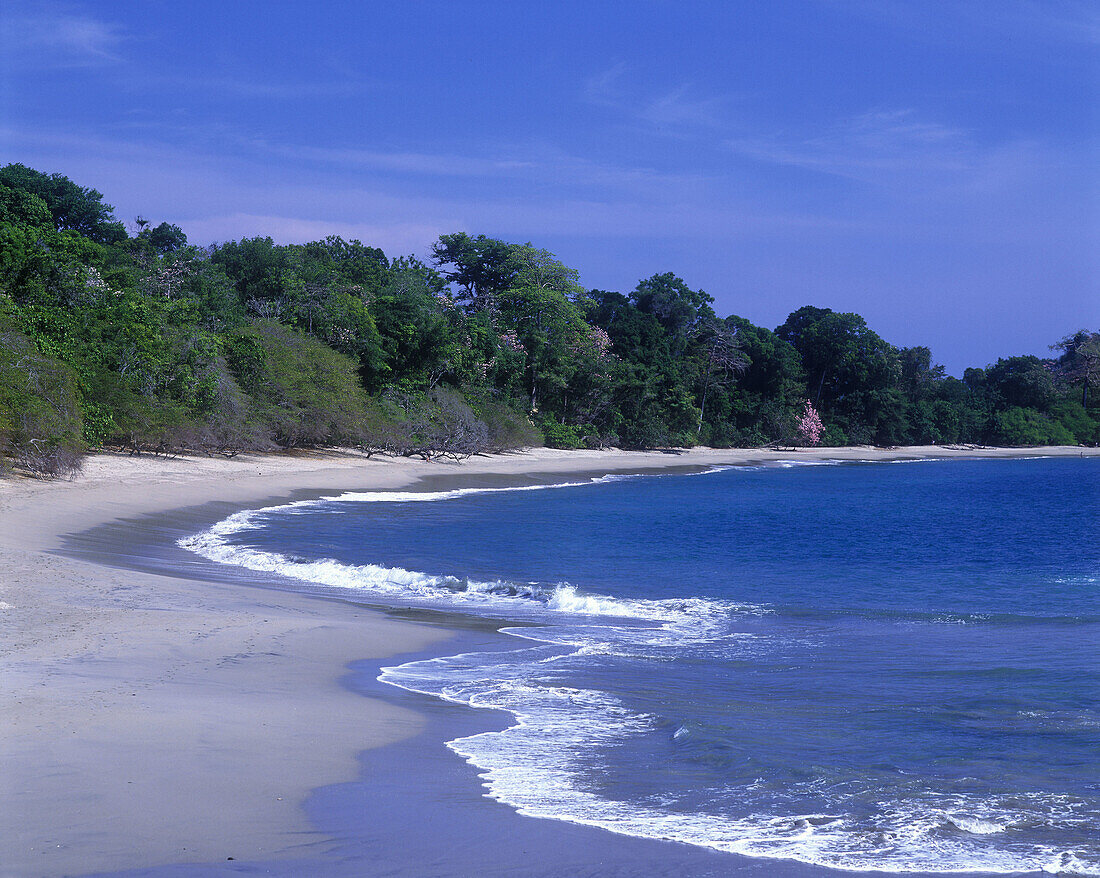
(151, 719)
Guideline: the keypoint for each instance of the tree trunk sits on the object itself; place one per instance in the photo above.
(703, 406)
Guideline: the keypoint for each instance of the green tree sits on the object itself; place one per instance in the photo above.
(1080, 361)
(302, 392)
(1021, 382)
(72, 207)
(851, 372)
(721, 358)
(481, 267)
(676, 306)
(257, 268)
(1026, 426)
(772, 388)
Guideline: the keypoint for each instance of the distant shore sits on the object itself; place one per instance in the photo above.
(150, 719)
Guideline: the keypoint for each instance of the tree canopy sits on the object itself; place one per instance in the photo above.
(147, 342)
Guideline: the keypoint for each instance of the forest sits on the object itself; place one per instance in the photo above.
(134, 339)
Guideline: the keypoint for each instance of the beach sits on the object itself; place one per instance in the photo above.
(152, 719)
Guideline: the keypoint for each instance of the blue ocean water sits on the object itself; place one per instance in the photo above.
(859, 666)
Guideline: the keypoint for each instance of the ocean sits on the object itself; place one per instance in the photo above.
(889, 666)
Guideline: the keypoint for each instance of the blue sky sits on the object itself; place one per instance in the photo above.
(929, 164)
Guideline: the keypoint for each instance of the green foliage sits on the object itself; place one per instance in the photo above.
(558, 435)
(436, 423)
(20, 207)
(152, 344)
(852, 374)
(443, 423)
(302, 392)
(1079, 364)
(71, 207)
(1026, 426)
(99, 423)
(165, 238)
(481, 267)
(39, 417)
(506, 428)
(676, 306)
(1021, 382)
(1082, 425)
(418, 332)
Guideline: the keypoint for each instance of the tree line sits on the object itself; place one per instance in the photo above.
(136, 339)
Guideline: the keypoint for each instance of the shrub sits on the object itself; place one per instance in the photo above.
(40, 423)
(301, 391)
(437, 423)
(647, 431)
(507, 428)
(558, 435)
(1026, 426)
(1084, 426)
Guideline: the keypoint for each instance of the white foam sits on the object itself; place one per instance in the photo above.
(402, 585)
(1068, 863)
(539, 764)
(459, 493)
(975, 825)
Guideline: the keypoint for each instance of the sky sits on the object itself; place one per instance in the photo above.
(928, 164)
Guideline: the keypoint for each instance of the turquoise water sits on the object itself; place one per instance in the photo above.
(889, 666)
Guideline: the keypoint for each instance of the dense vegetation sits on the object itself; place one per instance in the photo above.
(144, 342)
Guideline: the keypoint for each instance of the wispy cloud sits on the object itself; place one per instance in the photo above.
(605, 87)
(1066, 21)
(1076, 20)
(680, 107)
(519, 164)
(670, 110)
(44, 36)
(868, 147)
(213, 197)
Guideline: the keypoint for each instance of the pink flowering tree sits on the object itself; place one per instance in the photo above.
(808, 427)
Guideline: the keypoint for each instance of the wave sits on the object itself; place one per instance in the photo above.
(541, 765)
(790, 464)
(398, 584)
(459, 493)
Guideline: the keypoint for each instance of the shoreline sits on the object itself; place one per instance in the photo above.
(121, 685)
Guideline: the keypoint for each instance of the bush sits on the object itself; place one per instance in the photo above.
(301, 391)
(437, 423)
(507, 428)
(1082, 424)
(1026, 426)
(40, 423)
(833, 436)
(568, 436)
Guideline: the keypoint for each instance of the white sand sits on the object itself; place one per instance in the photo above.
(147, 720)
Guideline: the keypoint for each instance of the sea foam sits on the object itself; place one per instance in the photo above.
(539, 766)
(221, 543)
